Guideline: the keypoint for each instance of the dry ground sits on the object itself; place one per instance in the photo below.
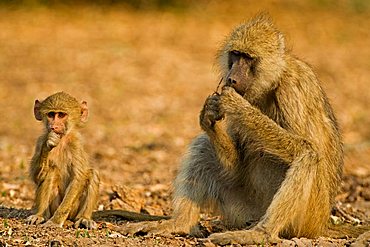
(145, 75)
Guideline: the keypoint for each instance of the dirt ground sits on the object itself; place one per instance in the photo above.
(145, 75)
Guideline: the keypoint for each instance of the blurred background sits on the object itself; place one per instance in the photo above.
(145, 68)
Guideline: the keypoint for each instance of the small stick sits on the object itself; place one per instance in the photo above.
(218, 86)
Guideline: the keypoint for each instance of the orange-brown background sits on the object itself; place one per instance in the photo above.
(145, 73)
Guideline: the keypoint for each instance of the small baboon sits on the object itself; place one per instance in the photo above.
(270, 158)
(66, 186)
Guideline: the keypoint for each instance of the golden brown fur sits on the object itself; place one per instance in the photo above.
(271, 156)
(66, 186)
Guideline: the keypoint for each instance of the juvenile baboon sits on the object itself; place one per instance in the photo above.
(271, 158)
(66, 186)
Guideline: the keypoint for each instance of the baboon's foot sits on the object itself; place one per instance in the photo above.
(35, 220)
(242, 237)
(85, 223)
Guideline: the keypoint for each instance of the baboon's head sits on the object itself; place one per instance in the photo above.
(61, 112)
(252, 58)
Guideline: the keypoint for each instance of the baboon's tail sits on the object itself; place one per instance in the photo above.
(127, 215)
(346, 230)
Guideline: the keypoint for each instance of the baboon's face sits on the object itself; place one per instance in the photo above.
(240, 75)
(57, 122)
(60, 113)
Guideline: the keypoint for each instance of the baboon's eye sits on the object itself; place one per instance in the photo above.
(246, 56)
(51, 114)
(236, 53)
(233, 57)
(62, 114)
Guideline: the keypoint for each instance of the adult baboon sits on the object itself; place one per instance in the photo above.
(271, 156)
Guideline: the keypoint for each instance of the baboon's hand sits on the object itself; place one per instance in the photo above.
(85, 223)
(35, 220)
(247, 237)
(51, 224)
(211, 112)
(53, 139)
(230, 100)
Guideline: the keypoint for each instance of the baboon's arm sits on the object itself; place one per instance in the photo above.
(74, 190)
(43, 194)
(267, 134)
(224, 146)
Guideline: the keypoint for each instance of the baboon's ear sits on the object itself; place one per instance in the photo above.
(36, 110)
(84, 111)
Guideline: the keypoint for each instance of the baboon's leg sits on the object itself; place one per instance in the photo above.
(44, 194)
(74, 190)
(306, 215)
(201, 181)
(287, 211)
(89, 202)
